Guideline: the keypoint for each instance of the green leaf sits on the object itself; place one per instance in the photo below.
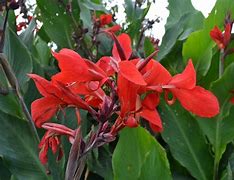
(85, 14)
(27, 35)
(57, 23)
(179, 30)
(19, 149)
(18, 57)
(41, 52)
(199, 44)
(5, 174)
(182, 21)
(99, 162)
(139, 156)
(220, 129)
(186, 141)
(9, 105)
(177, 10)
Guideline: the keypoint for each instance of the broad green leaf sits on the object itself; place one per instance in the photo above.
(99, 162)
(9, 105)
(182, 21)
(139, 156)
(220, 129)
(41, 52)
(5, 174)
(85, 14)
(19, 149)
(186, 141)
(18, 57)
(27, 35)
(57, 23)
(177, 10)
(179, 31)
(199, 44)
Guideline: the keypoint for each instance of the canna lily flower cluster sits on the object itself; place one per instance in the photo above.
(222, 39)
(117, 91)
(104, 20)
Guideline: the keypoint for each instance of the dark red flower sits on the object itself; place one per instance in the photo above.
(221, 39)
(51, 139)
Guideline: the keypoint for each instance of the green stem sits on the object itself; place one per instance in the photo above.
(216, 148)
(221, 63)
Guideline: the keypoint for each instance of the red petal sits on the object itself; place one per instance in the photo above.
(154, 119)
(151, 101)
(96, 73)
(232, 100)
(43, 154)
(45, 87)
(125, 43)
(155, 74)
(105, 63)
(113, 29)
(129, 71)
(73, 67)
(43, 109)
(217, 36)
(131, 122)
(71, 98)
(127, 93)
(54, 145)
(105, 19)
(198, 101)
(227, 34)
(187, 79)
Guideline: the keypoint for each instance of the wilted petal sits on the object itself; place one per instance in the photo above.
(43, 154)
(187, 79)
(198, 101)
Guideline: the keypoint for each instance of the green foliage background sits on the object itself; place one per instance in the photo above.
(189, 147)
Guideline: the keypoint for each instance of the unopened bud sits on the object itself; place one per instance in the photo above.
(131, 122)
(13, 5)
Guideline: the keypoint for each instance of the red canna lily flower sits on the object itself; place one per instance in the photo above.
(77, 72)
(122, 48)
(221, 39)
(105, 19)
(193, 98)
(112, 29)
(51, 139)
(56, 96)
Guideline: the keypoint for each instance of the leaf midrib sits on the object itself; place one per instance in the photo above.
(188, 144)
